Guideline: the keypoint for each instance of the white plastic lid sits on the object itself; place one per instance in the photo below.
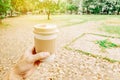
(45, 29)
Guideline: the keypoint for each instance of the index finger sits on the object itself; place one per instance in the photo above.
(40, 56)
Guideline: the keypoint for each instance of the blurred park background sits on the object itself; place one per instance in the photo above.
(88, 41)
(61, 12)
(9, 8)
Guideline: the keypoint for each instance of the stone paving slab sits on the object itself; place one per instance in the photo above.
(87, 43)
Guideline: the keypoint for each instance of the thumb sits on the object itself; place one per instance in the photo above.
(41, 56)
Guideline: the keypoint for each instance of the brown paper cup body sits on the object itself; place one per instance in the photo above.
(45, 38)
(45, 45)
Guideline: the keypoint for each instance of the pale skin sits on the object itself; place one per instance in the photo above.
(26, 65)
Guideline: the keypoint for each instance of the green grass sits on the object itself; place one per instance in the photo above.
(111, 29)
(106, 44)
(69, 20)
(65, 20)
(59, 20)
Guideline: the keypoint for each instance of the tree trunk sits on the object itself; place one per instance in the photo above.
(0, 21)
(118, 12)
(71, 11)
(83, 10)
(88, 10)
(48, 15)
(11, 13)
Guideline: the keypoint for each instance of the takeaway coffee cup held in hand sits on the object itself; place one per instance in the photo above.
(45, 39)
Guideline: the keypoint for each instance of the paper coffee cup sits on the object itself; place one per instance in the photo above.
(45, 39)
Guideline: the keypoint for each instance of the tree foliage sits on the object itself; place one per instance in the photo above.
(48, 6)
(4, 7)
(101, 6)
(59, 6)
(21, 5)
(72, 7)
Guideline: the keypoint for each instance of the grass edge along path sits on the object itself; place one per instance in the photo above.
(87, 53)
(71, 24)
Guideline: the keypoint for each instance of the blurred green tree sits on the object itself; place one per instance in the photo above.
(101, 6)
(72, 7)
(19, 6)
(69, 1)
(86, 5)
(4, 7)
(49, 6)
(62, 7)
(117, 6)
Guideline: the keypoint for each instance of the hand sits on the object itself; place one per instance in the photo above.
(27, 64)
